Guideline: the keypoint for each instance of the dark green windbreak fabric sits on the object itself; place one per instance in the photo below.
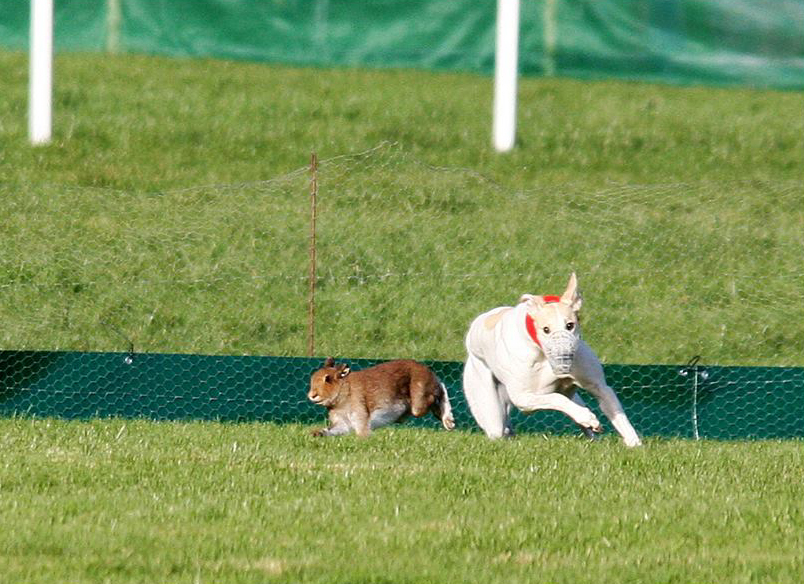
(80, 24)
(725, 42)
(661, 400)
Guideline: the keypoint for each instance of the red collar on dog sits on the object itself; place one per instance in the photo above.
(531, 326)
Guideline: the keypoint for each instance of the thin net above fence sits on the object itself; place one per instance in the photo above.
(406, 255)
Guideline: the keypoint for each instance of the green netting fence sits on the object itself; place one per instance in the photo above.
(673, 401)
(734, 42)
(159, 304)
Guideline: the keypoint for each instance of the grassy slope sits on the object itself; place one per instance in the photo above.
(145, 123)
(700, 266)
(138, 501)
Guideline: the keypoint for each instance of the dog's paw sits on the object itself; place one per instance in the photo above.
(590, 421)
(589, 434)
(632, 441)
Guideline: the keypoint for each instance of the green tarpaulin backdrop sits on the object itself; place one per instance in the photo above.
(735, 42)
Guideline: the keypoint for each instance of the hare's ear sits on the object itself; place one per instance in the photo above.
(572, 295)
(344, 371)
(330, 362)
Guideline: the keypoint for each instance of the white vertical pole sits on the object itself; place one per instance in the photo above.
(113, 16)
(505, 74)
(550, 37)
(40, 82)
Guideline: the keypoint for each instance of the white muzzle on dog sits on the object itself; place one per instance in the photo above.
(560, 347)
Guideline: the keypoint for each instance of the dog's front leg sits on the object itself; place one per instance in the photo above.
(613, 410)
(588, 372)
(586, 431)
(528, 402)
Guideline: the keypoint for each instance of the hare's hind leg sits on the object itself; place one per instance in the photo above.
(422, 394)
(441, 407)
(427, 393)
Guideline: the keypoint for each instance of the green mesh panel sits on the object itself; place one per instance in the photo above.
(661, 400)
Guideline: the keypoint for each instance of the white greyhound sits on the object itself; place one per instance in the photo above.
(532, 356)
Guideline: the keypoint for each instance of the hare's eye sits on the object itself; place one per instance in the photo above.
(328, 379)
(546, 330)
(570, 326)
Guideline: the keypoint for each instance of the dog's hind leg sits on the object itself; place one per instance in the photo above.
(508, 429)
(484, 400)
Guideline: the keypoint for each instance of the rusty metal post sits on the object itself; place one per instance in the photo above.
(312, 274)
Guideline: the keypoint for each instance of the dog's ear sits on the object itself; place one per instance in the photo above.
(572, 295)
(533, 300)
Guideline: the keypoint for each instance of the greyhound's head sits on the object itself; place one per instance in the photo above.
(552, 322)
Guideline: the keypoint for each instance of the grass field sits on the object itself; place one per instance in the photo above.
(153, 216)
(133, 501)
(145, 124)
(167, 212)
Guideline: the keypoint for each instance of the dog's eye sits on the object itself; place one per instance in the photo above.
(546, 330)
(570, 326)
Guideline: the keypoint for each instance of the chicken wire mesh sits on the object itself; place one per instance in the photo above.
(661, 400)
(148, 304)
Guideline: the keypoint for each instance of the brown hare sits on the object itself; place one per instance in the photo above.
(377, 396)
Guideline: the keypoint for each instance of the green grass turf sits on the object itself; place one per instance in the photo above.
(146, 219)
(144, 123)
(135, 501)
(98, 229)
